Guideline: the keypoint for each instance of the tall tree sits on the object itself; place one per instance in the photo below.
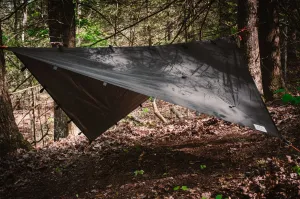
(269, 44)
(247, 23)
(10, 137)
(61, 14)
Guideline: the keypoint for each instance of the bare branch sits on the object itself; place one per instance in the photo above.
(103, 16)
(137, 22)
(25, 3)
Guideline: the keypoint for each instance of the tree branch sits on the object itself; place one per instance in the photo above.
(21, 83)
(137, 22)
(103, 16)
(25, 3)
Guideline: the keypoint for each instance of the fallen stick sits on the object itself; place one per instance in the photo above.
(178, 115)
(157, 113)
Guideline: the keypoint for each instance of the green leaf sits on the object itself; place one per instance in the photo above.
(176, 188)
(36, 14)
(296, 100)
(286, 98)
(139, 172)
(145, 110)
(58, 170)
(297, 169)
(298, 88)
(219, 196)
(203, 197)
(184, 188)
(202, 166)
(281, 90)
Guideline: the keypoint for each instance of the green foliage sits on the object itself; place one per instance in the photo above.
(151, 99)
(4, 39)
(90, 32)
(219, 196)
(183, 188)
(139, 172)
(281, 90)
(234, 30)
(287, 97)
(145, 110)
(297, 169)
(82, 23)
(202, 166)
(37, 32)
(51, 119)
(58, 170)
(36, 14)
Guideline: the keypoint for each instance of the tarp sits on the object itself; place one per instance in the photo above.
(97, 87)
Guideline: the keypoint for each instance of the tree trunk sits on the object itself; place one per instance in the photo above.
(269, 44)
(224, 17)
(292, 50)
(284, 46)
(15, 21)
(247, 19)
(10, 137)
(61, 29)
(292, 31)
(24, 21)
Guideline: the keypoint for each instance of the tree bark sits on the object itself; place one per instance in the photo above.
(269, 44)
(61, 29)
(292, 50)
(284, 55)
(247, 20)
(292, 30)
(15, 20)
(24, 21)
(10, 137)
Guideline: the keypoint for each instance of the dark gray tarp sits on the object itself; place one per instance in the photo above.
(96, 87)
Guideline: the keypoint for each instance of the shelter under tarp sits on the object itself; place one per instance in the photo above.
(97, 87)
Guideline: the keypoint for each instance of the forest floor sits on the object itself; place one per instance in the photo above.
(198, 157)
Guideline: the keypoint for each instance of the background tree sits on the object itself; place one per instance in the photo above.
(247, 24)
(269, 44)
(10, 137)
(61, 17)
